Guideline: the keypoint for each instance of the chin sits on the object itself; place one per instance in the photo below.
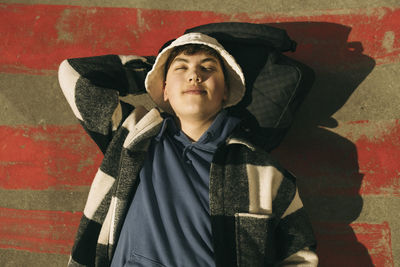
(201, 113)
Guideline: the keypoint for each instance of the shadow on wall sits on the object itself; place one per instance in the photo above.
(325, 163)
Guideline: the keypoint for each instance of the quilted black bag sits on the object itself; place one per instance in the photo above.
(276, 84)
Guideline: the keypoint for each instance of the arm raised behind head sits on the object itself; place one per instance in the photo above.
(93, 87)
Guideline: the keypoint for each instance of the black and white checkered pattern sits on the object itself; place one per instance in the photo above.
(256, 214)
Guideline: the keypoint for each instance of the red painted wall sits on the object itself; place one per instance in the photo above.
(339, 167)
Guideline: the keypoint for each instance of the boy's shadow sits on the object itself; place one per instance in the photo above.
(326, 163)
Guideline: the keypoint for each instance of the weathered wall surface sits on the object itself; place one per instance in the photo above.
(344, 146)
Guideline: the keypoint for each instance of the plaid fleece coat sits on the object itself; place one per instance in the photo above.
(257, 217)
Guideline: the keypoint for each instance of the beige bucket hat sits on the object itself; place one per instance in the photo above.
(155, 78)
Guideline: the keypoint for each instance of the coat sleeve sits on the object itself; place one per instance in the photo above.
(294, 235)
(93, 87)
(304, 257)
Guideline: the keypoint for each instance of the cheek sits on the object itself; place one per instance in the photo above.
(170, 92)
(226, 93)
(165, 93)
(167, 87)
(221, 88)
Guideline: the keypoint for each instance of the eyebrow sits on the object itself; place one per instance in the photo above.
(208, 59)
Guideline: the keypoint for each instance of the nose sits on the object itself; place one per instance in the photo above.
(194, 76)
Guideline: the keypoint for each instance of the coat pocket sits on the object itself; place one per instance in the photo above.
(254, 239)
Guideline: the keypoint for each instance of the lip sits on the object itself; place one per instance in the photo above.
(195, 90)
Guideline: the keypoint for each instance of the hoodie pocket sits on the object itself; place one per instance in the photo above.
(254, 239)
(137, 260)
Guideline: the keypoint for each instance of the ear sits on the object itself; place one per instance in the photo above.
(165, 92)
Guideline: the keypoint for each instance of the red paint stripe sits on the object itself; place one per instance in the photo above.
(36, 38)
(378, 159)
(38, 231)
(64, 157)
(363, 159)
(357, 244)
(56, 157)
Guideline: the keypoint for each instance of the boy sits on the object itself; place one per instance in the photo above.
(186, 187)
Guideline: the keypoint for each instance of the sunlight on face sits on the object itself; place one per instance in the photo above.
(195, 86)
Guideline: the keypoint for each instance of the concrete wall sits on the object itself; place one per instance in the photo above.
(344, 146)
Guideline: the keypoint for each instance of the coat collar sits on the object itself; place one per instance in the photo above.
(241, 135)
(141, 124)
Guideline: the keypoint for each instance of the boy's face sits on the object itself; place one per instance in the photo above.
(195, 86)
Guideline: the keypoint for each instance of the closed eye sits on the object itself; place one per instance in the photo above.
(207, 68)
(180, 68)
